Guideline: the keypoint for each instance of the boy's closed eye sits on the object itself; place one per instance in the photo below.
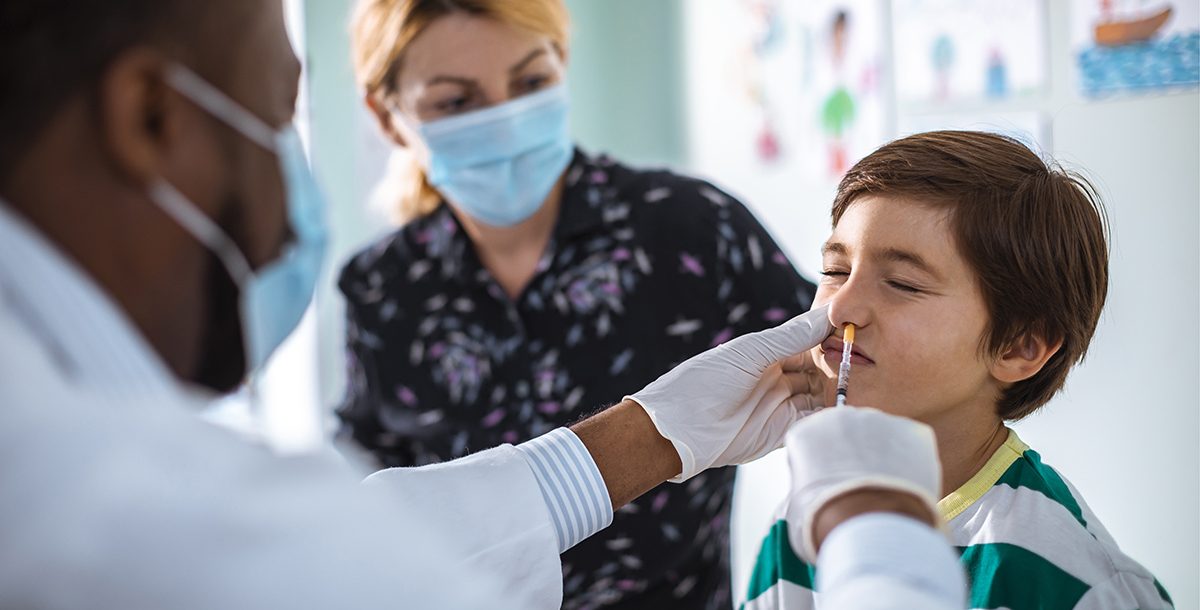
(902, 285)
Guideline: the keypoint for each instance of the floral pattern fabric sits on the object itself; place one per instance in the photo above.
(644, 269)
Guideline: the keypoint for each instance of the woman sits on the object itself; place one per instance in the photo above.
(531, 281)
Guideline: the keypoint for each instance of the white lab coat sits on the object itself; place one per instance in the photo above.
(115, 494)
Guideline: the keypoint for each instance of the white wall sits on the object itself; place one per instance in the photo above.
(1125, 430)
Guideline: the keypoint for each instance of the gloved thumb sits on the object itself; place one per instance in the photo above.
(801, 333)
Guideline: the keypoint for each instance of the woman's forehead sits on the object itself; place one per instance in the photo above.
(466, 46)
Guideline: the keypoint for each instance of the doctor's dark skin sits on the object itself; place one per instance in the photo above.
(130, 128)
(115, 138)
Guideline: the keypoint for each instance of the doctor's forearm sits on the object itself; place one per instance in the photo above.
(631, 455)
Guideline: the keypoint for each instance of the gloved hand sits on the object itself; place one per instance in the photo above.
(845, 449)
(733, 404)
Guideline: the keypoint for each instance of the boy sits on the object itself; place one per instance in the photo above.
(974, 275)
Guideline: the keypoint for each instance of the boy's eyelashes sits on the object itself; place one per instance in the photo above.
(900, 285)
(903, 287)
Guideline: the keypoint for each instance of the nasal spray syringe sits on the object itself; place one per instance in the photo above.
(843, 383)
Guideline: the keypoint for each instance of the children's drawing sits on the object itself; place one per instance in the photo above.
(1136, 45)
(956, 50)
(783, 87)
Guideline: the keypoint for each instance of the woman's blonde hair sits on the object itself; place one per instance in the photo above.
(381, 31)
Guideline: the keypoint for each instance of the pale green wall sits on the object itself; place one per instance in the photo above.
(627, 78)
(334, 113)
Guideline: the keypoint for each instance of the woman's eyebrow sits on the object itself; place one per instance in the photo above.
(453, 80)
(534, 54)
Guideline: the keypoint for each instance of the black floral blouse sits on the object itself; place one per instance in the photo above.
(644, 269)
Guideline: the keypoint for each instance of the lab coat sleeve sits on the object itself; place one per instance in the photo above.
(492, 504)
(144, 505)
(884, 561)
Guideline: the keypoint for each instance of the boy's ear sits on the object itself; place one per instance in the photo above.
(1023, 358)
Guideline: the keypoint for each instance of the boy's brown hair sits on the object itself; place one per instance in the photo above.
(1035, 235)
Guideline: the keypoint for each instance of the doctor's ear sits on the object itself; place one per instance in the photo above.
(384, 116)
(139, 114)
(1024, 357)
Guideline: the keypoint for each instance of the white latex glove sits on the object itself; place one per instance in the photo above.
(733, 404)
(844, 449)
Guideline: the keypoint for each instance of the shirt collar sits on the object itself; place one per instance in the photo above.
(981, 482)
(91, 340)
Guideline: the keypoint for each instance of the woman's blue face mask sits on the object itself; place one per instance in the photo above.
(500, 163)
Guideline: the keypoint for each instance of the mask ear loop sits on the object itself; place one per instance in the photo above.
(221, 106)
(178, 207)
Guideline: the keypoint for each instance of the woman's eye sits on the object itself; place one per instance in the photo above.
(532, 83)
(452, 105)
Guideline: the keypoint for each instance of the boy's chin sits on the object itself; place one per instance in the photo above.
(891, 407)
(868, 397)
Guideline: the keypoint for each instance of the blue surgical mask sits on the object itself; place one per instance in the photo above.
(274, 297)
(499, 164)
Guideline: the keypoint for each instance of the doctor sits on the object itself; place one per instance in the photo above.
(159, 237)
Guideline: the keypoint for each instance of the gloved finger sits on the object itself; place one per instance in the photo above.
(804, 377)
(773, 430)
(799, 362)
(802, 383)
(806, 404)
(797, 335)
(805, 362)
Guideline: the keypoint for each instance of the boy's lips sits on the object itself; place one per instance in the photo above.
(832, 350)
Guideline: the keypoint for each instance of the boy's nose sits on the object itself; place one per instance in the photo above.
(849, 306)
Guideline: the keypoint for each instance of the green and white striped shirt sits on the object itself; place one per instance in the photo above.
(1026, 538)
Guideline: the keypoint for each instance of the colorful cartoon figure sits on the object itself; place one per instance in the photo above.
(766, 39)
(837, 113)
(997, 75)
(943, 60)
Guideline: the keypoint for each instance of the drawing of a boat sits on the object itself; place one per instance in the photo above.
(1112, 32)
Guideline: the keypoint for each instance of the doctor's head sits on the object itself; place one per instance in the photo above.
(97, 111)
(974, 273)
(420, 63)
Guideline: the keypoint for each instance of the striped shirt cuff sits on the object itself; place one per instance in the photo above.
(574, 492)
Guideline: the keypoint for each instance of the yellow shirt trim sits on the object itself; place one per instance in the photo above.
(958, 500)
